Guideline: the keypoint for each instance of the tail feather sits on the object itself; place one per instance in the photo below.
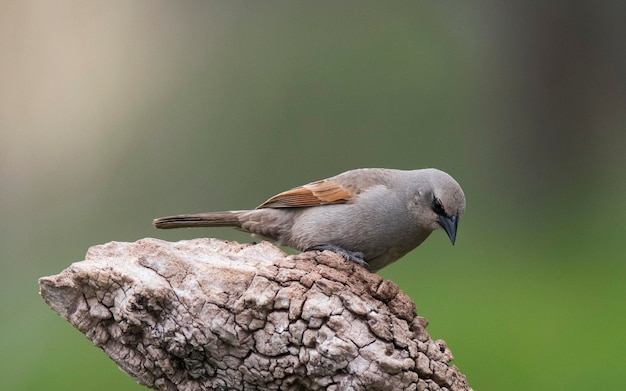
(214, 219)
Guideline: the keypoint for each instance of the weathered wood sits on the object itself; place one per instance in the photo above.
(207, 314)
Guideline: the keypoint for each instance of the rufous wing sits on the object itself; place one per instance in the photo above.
(325, 192)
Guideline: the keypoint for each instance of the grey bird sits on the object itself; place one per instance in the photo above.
(371, 216)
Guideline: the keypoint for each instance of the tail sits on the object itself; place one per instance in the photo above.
(214, 219)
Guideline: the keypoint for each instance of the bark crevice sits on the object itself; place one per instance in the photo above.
(207, 314)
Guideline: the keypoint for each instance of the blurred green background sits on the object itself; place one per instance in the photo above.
(116, 112)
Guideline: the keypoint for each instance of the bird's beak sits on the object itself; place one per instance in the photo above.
(449, 224)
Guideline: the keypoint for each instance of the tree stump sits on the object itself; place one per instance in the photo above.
(207, 314)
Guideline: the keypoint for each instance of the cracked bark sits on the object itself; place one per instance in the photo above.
(207, 314)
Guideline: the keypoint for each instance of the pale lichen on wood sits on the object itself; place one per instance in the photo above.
(207, 314)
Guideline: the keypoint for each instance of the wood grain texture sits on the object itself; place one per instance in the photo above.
(207, 314)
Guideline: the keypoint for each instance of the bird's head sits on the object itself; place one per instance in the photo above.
(441, 201)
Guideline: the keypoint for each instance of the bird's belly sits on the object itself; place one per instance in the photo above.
(380, 237)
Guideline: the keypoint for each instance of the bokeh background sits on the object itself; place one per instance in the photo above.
(116, 112)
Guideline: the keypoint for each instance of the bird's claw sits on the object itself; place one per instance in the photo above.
(350, 256)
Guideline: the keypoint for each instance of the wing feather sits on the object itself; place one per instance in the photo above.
(325, 192)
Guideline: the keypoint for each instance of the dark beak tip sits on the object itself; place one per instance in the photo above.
(449, 224)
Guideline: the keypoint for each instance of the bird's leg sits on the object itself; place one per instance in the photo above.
(350, 256)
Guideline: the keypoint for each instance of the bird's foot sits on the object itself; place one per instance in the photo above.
(350, 256)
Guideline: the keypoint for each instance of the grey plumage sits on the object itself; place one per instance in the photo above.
(373, 215)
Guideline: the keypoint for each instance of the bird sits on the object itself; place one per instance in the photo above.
(370, 216)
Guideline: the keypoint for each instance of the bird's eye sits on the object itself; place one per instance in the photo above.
(438, 207)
